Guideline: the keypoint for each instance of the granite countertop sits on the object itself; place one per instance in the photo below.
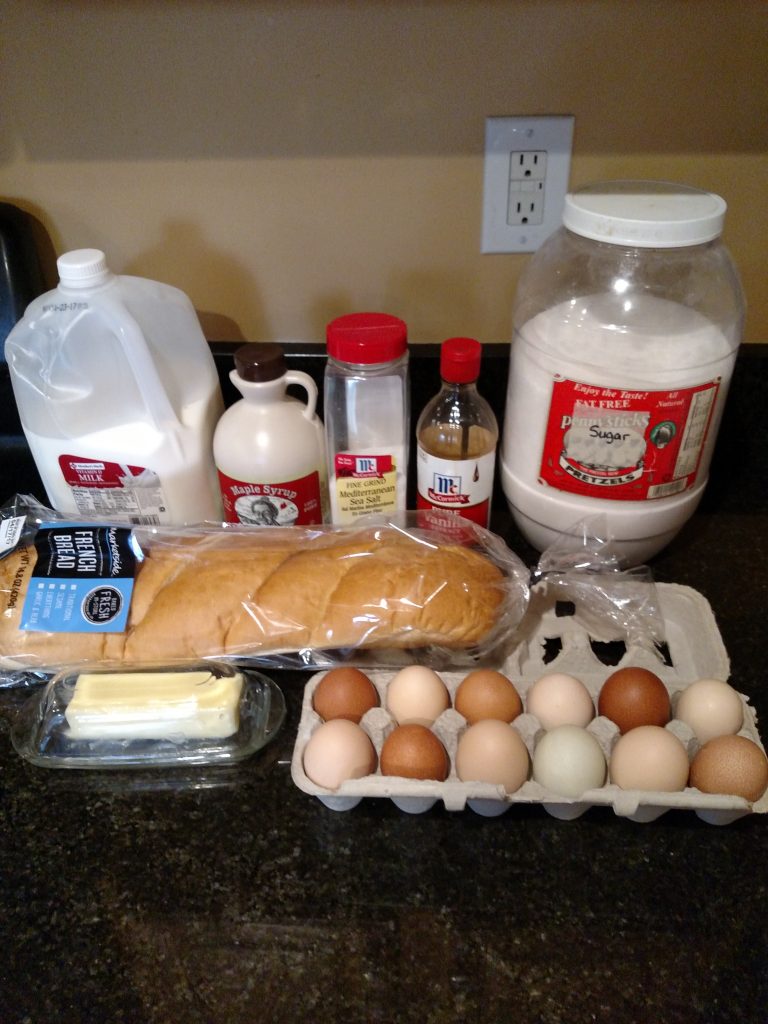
(230, 896)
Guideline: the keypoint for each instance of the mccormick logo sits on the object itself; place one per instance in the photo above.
(447, 484)
(363, 466)
(447, 489)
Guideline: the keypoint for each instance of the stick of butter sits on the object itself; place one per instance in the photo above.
(154, 706)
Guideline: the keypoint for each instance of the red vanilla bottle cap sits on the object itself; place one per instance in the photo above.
(460, 360)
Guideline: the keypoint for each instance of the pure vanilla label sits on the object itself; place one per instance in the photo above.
(463, 486)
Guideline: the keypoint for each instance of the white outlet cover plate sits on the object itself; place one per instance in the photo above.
(504, 136)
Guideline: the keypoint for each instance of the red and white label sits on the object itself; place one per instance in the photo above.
(363, 467)
(290, 503)
(131, 494)
(463, 486)
(625, 445)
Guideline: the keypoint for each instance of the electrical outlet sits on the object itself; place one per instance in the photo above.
(527, 164)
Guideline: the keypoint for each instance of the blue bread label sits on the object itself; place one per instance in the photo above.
(82, 580)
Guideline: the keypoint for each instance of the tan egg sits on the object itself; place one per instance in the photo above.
(414, 752)
(486, 693)
(711, 708)
(560, 699)
(344, 693)
(492, 751)
(651, 758)
(417, 696)
(337, 751)
(731, 765)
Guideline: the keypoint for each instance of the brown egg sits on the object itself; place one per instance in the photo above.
(731, 765)
(414, 752)
(486, 693)
(634, 696)
(344, 693)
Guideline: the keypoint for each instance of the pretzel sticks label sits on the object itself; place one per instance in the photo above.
(82, 580)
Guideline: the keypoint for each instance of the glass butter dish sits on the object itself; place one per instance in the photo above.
(204, 714)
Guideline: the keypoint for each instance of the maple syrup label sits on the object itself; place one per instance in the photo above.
(625, 445)
(463, 486)
(290, 503)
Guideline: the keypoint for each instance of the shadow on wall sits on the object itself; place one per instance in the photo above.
(196, 260)
(417, 297)
(441, 297)
(224, 79)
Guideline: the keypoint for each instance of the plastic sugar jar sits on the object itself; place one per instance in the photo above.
(626, 326)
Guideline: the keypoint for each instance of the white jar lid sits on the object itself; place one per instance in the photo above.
(652, 214)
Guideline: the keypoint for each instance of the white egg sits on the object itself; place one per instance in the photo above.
(711, 708)
(560, 699)
(417, 696)
(569, 760)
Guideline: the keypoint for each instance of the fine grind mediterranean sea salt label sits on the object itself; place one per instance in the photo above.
(82, 580)
(364, 483)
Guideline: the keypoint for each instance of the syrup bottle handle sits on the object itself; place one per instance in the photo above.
(304, 381)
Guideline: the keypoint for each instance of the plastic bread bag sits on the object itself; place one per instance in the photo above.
(611, 603)
(438, 590)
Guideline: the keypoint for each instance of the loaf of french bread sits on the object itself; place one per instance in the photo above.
(252, 593)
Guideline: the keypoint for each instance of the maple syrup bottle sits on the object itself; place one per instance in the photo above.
(456, 437)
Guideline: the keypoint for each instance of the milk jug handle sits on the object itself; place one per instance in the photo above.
(306, 382)
(140, 359)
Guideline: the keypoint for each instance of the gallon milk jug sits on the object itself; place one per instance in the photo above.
(118, 396)
(269, 447)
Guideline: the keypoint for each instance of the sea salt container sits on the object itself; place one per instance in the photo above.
(626, 326)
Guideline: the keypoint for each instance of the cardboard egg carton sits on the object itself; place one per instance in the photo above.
(551, 642)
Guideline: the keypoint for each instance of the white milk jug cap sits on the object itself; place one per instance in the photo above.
(647, 214)
(83, 268)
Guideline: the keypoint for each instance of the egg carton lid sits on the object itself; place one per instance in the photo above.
(694, 646)
(694, 650)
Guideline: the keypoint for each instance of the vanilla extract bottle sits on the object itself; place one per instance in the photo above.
(456, 437)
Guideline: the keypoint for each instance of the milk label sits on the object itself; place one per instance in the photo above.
(625, 444)
(112, 490)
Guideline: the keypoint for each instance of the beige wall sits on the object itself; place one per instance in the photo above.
(284, 162)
